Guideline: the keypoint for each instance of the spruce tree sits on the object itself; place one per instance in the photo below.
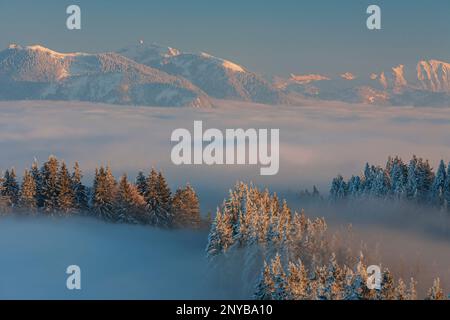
(278, 275)
(130, 204)
(266, 286)
(185, 208)
(214, 246)
(36, 173)
(49, 188)
(425, 178)
(81, 202)
(398, 180)
(27, 199)
(141, 183)
(5, 201)
(66, 194)
(436, 292)
(104, 195)
(159, 203)
(447, 188)
(387, 286)
(297, 281)
(411, 182)
(438, 188)
(10, 187)
(338, 189)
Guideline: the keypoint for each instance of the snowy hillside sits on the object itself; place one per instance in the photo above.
(425, 84)
(36, 72)
(218, 77)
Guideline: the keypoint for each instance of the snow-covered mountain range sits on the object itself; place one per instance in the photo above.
(35, 72)
(425, 84)
(218, 77)
(155, 75)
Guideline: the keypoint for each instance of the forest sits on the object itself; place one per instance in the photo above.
(54, 190)
(282, 254)
(415, 182)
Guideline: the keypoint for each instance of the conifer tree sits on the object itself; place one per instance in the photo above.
(36, 173)
(387, 286)
(436, 292)
(411, 183)
(412, 292)
(66, 196)
(5, 202)
(104, 195)
(297, 281)
(279, 279)
(214, 246)
(49, 188)
(401, 291)
(338, 188)
(398, 180)
(141, 183)
(185, 206)
(265, 286)
(334, 283)
(425, 178)
(27, 199)
(158, 198)
(438, 188)
(11, 187)
(447, 189)
(80, 192)
(130, 203)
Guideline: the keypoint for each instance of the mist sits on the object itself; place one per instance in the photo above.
(117, 261)
(317, 142)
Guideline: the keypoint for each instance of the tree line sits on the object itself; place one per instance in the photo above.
(287, 256)
(53, 190)
(415, 181)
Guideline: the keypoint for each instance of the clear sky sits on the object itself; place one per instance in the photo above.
(270, 37)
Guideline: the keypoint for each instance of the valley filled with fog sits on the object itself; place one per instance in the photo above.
(317, 142)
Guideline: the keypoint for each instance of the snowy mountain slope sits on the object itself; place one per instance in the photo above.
(218, 77)
(425, 84)
(36, 72)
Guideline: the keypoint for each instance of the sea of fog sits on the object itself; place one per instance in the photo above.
(317, 143)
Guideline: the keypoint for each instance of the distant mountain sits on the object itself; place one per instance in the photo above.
(425, 84)
(36, 72)
(153, 75)
(219, 78)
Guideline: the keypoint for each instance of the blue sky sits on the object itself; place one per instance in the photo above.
(270, 37)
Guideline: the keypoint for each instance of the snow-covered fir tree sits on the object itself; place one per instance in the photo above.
(415, 182)
(141, 183)
(447, 189)
(81, 197)
(49, 187)
(11, 188)
(185, 207)
(104, 195)
(159, 201)
(5, 202)
(66, 194)
(27, 199)
(130, 204)
(436, 292)
(298, 259)
(338, 188)
(36, 173)
(399, 174)
(53, 189)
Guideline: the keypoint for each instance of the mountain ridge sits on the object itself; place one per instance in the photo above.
(36, 72)
(155, 75)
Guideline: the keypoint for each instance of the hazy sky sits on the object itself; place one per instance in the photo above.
(272, 37)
